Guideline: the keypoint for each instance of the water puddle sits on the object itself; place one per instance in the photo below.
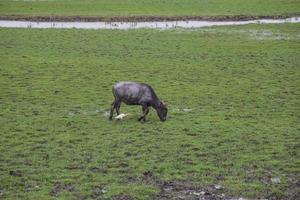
(181, 110)
(138, 25)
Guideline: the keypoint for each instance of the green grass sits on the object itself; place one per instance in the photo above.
(242, 84)
(150, 7)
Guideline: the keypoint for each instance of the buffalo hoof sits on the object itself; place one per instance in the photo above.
(141, 119)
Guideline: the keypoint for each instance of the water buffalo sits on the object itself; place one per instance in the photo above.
(132, 93)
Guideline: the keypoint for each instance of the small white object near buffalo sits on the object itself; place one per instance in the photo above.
(121, 116)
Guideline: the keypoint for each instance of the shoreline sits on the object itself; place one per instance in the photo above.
(138, 25)
(140, 18)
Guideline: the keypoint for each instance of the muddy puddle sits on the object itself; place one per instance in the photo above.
(138, 25)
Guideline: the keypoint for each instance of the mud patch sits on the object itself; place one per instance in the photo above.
(181, 189)
(293, 188)
(15, 173)
(122, 197)
(189, 191)
(100, 169)
(138, 18)
(60, 187)
(98, 192)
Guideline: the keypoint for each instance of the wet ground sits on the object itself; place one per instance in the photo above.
(231, 129)
(138, 18)
(137, 25)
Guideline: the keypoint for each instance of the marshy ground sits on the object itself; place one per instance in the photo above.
(232, 130)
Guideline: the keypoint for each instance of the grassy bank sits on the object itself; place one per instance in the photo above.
(150, 8)
(233, 95)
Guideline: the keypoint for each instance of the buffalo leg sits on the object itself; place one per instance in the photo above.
(118, 105)
(113, 106)
(145, 112)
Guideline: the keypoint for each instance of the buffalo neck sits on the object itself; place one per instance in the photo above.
(156, 104)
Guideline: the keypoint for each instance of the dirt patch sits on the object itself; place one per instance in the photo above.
(74, 166)
(98, 192)
(189, 191)
(122, 197)
(15, 173)
(139, 18)
(181, 189)
(293, 188)
(100, 169)
(59, 187)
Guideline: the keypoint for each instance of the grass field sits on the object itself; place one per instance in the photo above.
(150, 8)
(233, 96)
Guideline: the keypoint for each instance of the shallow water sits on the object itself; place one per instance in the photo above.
(137, 25)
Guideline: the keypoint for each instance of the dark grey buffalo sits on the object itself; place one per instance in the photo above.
(132, 93)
